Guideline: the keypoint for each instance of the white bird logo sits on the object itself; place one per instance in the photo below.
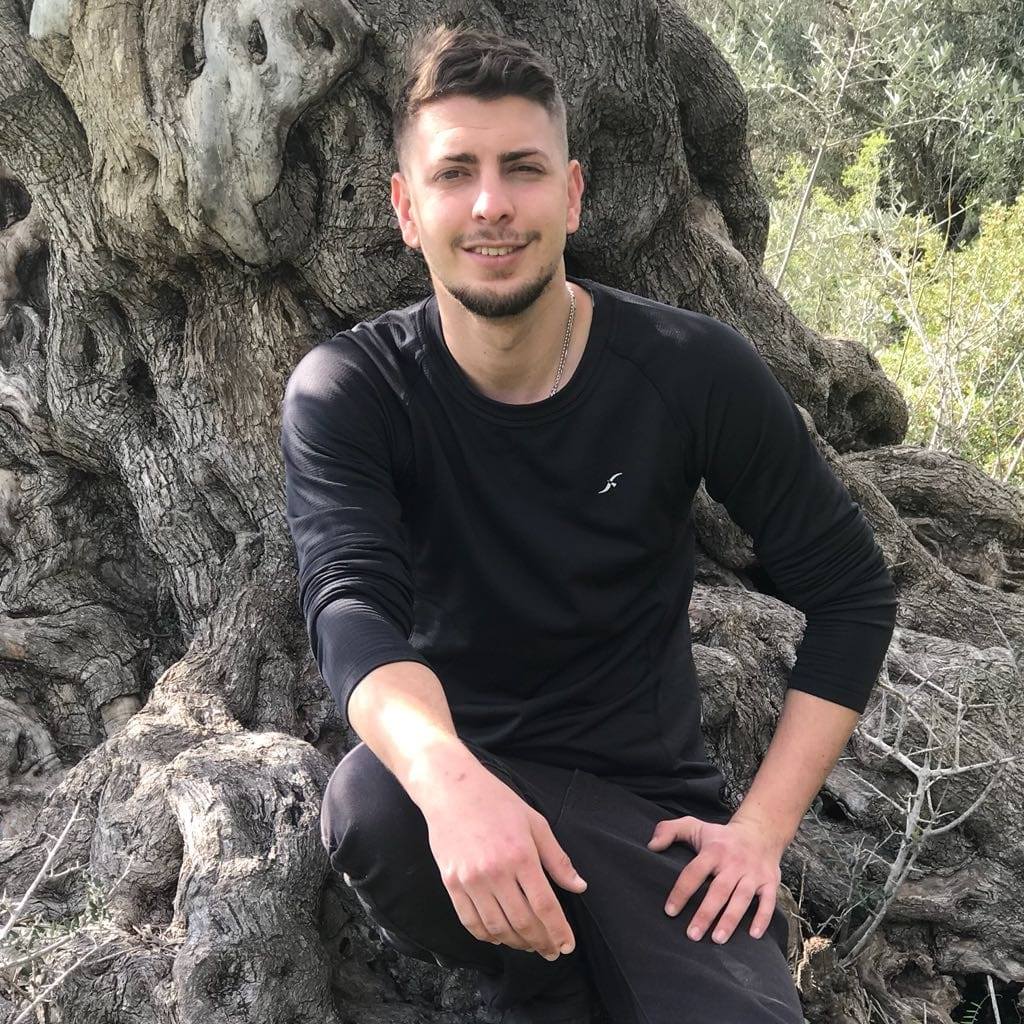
(611, 483)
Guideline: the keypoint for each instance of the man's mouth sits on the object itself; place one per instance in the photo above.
(494, 251)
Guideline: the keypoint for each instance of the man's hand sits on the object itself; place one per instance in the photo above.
(492, 849)
(744, 861)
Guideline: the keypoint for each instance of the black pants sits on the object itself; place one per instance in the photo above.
(637, 960)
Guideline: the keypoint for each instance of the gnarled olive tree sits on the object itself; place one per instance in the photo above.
(193, 194)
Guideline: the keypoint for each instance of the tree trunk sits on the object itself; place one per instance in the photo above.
(193, 196)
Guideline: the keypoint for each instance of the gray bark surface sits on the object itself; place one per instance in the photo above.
(192, 196)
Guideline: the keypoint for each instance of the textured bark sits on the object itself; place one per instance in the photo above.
(192, 196)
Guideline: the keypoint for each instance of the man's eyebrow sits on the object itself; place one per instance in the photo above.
(471, 158)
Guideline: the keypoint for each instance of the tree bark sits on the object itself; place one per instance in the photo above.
(192, 196)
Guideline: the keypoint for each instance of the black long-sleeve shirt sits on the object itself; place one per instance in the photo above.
(540, 557)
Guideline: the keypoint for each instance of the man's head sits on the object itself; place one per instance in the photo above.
(480, 138)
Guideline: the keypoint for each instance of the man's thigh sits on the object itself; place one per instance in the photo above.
(643, 965)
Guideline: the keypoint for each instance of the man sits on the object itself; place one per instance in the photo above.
(489, 493)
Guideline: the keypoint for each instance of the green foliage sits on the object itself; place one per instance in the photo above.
(971, 1013)
(944, 81)
(947, 324)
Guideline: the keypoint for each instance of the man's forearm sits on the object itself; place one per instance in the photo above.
(808, 740)
(400, 711)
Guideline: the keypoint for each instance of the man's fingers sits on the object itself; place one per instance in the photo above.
(720, 891)
(504, 919)
(766, 897)
(555, 935)
(662, 835)
(553, 858)
(673, 830)
(529, 930)
(690, 879)
(466, 910)
(737, 907)
(493, 917)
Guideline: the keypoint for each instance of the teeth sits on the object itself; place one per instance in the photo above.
(493, 251)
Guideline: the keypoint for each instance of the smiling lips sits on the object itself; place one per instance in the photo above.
(494, 253)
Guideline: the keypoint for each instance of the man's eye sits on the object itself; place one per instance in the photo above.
(454, 172)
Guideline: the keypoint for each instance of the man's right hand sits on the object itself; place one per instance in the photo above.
(492, 849)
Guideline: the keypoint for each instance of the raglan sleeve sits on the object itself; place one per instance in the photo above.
(345, 518)
(810, 536)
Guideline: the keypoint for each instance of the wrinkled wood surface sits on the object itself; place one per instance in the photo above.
(195, 194)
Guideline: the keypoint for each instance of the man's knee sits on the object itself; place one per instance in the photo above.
(367, 820)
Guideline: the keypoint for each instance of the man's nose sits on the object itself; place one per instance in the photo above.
(493, 201)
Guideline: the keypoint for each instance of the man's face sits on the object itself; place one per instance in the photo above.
(488, 173)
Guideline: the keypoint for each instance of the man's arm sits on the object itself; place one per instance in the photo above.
(341, 441)
(812, 539)
(808, 740)
(339, 427)
(401, 713)
(744, 854)
(758, 459)
(355, 584)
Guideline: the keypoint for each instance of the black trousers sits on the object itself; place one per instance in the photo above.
(636, 960)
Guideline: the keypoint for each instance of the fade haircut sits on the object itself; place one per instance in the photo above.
(458, 61)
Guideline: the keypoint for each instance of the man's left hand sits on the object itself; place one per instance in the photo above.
(745, 862)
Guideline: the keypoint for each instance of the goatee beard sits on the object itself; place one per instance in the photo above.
(494, 307)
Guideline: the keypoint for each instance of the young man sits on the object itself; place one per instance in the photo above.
(489, 493)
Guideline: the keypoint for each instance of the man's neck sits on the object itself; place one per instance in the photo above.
(515, 359)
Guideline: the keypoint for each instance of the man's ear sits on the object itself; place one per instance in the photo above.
(402, 206)
(574, 186)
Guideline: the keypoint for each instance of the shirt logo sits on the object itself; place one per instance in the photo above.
(612, 482)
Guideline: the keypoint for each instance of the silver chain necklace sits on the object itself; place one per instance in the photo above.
(568, 334)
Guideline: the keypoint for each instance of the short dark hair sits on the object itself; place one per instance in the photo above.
(459, 61)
